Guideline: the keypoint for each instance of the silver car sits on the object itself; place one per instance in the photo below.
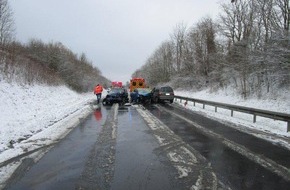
(162, 94)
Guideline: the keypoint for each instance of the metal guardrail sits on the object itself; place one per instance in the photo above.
(255, 112)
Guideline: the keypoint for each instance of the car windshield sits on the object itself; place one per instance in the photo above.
(116, 90)
(166, 89)
(144, 90)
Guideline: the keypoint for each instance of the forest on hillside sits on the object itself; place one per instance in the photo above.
(44, 63)
(247, 47)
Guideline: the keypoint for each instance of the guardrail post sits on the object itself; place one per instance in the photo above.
(254, 119)
(232, 113)
(203, 106)
(215, 109)
(193, 103)
(288, 126)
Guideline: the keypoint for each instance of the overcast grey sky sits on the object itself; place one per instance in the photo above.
(116, 35)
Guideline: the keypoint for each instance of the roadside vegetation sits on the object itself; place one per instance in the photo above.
(247, 47)
(43, 63)
(52, 63)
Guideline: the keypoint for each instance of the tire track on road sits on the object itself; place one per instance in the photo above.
(99, 168)
(191, 166)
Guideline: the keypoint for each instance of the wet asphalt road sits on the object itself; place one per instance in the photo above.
(119, 148)
(234, 170)
(60, 168)
(91, 158)
(138, 165)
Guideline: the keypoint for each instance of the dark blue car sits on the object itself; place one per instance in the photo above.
(141, 96)
(116, 95)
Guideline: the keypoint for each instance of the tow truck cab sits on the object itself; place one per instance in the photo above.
(137, 83)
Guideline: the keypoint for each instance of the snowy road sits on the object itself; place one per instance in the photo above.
(158, 147)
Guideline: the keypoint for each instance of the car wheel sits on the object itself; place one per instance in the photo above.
(171, 101)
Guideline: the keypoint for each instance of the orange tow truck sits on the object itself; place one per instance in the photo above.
(137, 83)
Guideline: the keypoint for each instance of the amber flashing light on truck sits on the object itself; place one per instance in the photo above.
(137, 83)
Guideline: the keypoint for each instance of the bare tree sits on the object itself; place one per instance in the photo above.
(250, 50)
(203, 37)
(6, 23)
(285, 13)
(178, 38)
(237, 24)
(166, 57)
(189, 63)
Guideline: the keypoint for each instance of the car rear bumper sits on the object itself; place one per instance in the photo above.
(166, 98)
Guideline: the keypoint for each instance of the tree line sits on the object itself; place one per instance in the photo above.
(38, 62)
(246, 46)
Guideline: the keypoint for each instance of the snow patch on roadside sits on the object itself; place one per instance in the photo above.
(279, 103)
(36, 116)
(29, 110)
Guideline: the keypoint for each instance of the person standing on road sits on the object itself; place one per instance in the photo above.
(98, 92)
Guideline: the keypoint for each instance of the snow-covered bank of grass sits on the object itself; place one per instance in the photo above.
(36, 116)
(28, 110)
(278, 103)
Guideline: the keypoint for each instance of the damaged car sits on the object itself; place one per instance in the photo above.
(141, 96)
(116, 95)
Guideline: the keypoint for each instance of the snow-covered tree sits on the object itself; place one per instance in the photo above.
(6, 23)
